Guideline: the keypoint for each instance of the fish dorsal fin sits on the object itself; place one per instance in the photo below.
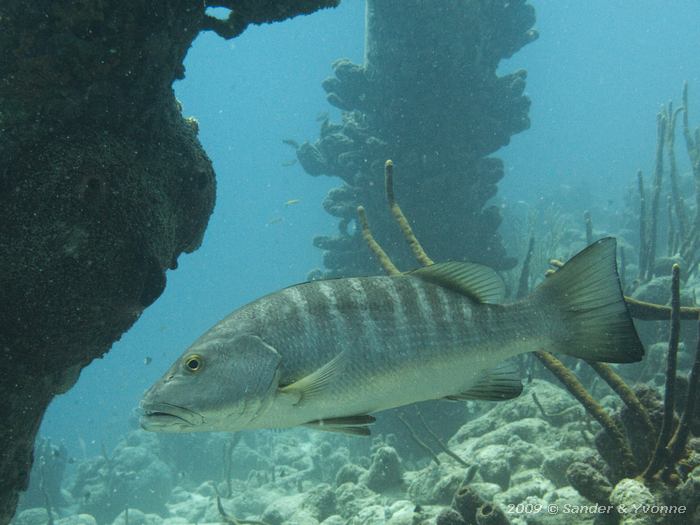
(478, 282)
(497, 384)
(355, 425)
(314, 383)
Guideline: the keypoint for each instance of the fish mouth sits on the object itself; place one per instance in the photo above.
(163, 417)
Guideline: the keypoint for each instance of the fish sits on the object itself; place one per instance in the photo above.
(292, 202)
(147, 360)
(328, 354)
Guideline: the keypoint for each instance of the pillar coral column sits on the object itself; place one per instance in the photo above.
(428, 97)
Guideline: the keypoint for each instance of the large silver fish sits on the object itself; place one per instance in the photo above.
(329, 353)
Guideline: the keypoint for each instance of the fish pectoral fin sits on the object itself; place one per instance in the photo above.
(498, 384)
(480, 283)
(355, 425)
(317, 381)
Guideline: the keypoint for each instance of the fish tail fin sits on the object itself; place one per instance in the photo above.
(594, 321)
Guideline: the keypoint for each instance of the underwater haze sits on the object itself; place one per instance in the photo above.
(597, 76)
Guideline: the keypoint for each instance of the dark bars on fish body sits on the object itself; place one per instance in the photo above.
(660, 453)
(391, 269)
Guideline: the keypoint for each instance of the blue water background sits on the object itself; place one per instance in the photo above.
(597, 77)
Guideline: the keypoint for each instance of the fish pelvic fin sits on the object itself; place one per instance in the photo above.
(476, 281)
(587, 296)
(316, 382)
(497, 384)
(353, 425)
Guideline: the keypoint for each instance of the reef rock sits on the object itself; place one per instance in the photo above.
(385, 470)
(134, 476)
(630, 495)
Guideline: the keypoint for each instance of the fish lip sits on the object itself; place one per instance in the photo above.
(158, 415)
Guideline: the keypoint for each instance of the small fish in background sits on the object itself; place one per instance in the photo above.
(288, 163)
(326, 354)
(322, 116)
(292, 202)
(147, 360)
(291, 142)
(274, 220)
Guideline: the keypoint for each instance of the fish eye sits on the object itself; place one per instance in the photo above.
(193, 363)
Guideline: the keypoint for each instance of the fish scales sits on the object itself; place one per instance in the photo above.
(354, 314)
(379, 336)
(351, 316)
(401, 346)
(391, 349)
(339, 349)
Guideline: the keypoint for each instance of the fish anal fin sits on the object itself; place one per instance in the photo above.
(353, 431)
(476, 281)
(316, 382)
(498, 384)
(354, 425)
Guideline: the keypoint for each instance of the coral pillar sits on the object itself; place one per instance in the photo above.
(428, 97)
(103, 185)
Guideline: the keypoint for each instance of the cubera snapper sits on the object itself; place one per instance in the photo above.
(329, 353)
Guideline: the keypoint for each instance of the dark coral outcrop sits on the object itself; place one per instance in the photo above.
(103, 184)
